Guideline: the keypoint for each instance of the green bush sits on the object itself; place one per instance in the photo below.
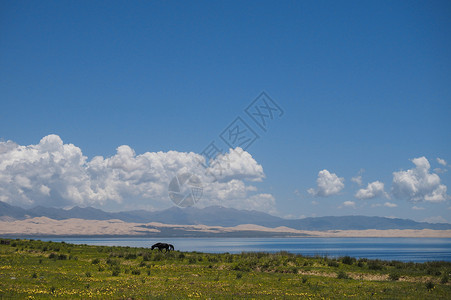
(62, 257)
(342, 275)
(112, 262)
(130, 256)
(95, 261)
(393, 276)
(444, 279)
(430, 285)
(348, 260)
(375, 265)
(115, 272)
(333, 263)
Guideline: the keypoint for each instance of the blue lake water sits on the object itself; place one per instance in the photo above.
(402, 249)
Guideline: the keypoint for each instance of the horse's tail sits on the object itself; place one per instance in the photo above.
(171, 247)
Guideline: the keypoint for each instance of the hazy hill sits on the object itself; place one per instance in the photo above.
(220, 216)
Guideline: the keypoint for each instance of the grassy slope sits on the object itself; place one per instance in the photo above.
(39, 270)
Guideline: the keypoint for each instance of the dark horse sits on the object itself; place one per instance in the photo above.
(161, 246)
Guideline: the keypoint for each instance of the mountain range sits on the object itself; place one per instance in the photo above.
(219, 216)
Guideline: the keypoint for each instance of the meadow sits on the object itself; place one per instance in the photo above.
(33, 269)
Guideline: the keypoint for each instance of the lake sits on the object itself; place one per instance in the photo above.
(402, 249)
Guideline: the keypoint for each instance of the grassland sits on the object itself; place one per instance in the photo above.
(40, 270)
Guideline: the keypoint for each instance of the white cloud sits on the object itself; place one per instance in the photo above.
(418, 184)
(52, 173)
(441, 161)
(236, 164)
(357, 179)
(373, 190)
(437, 219)
(389, 204)
(327, 184)
(440, 170)
(348, 204)
(417, 208)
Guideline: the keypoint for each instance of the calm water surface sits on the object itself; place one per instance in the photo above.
(403, 249)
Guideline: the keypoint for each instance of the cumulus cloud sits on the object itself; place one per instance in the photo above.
(389, 204)
(327, 184)
(441, 161)
(373, 190)
(52, 173)
(419, 184)
(236, 164)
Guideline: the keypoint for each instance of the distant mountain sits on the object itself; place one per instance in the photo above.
(220, 216)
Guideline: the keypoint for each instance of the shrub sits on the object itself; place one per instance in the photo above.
(444, 279)
(130, 256)
(304, 279)
(62, 257)
(136, 272)
(88, 274)
(239, 275)
(430, 285)
(52, 256)
(146, 257)
(158, 257)
(34, 275)
(112, 262)
(332, 263)
(348, 260)
(191, 260)
(393, 276)
(115, 272)
(342, 275)
(95, 261)
(375, 265)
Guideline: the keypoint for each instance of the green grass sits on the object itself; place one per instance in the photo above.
(41, 270)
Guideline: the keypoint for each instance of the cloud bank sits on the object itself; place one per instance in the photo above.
(52, 173)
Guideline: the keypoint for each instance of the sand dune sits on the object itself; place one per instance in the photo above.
(74, 227)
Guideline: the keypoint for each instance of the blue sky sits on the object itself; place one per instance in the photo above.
(364, 86)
